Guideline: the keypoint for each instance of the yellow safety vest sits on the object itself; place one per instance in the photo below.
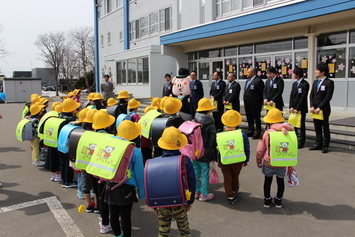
(24, 130)
(231, 147)
(86, 146)
(41, 123)
(283, 148)
(25, 111)
(107, 157)
(51, 131)
(147, 120)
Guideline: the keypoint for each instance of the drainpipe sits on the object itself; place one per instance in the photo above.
(126, 24)
(96, 35)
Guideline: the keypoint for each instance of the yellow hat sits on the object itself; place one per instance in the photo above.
(35, 99)
(58, 108)
(123, 95)
(102, 119)
(172, 105)
(76, 91)
(36, 108)
(34, 95)
(149, 108)
(274, 116)
(70, 94)
(44, 100)
(231, 118)
(162, 102)
(155, 101)
(129, 130)
(172, 139)
(91, 96)
(55, 104)
(69, 105)
(97, 96)
(111, 101)
(205, 104)
(133, 103)
(82, 115)
(90, 115)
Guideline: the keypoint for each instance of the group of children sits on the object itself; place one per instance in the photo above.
(116, 203)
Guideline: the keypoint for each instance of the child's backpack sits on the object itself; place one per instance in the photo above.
(283, 148)
(194, 149)
(24, 130)
(111, 159)
(74, 138)
(63, 139)
(121, 118)
(157, 128)
(51, 131)
(165, 182)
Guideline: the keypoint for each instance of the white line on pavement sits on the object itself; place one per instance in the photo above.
(61, 215)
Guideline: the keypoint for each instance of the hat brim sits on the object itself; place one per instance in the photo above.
(182, 76)
(268, 120)
(237, 122)
(105, 124)
(134, 134)
(135, 105)
(211, 107)
(72, 108)
(167, 146)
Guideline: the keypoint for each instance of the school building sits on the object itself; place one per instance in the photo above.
(139, 41)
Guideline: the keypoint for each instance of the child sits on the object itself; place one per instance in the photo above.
(274, 121)
(231, 171)
(171, 141)
(97, 100)
(121, 199)
(123, 103)
(36, 111)
(202, 165)
(76, 95)
(146, 146)
(133, 105)
(171, 107)
(111, 102)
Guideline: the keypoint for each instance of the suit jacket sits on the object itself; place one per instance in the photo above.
(298, 96)
(322, 97)
(274, 93)
(231, 95)
(217, 92)
(196, 89)
(106, 88)
(167, 89)
(253, 94)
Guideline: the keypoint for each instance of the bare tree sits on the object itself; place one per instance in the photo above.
(69, 68)
(3, 51)
(52, 48)
(83, 46)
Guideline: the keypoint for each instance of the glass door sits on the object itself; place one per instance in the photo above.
(283, 65)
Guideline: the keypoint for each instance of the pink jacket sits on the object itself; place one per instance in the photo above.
(262, 152)
(76, 99)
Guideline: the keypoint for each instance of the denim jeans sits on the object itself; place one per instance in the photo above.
(202, 170)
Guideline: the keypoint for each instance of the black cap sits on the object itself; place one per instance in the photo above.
(183, 72)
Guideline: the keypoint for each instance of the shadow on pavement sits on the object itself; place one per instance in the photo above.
(11, 149)
(6, 167)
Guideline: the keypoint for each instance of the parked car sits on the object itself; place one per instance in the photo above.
(49, 88)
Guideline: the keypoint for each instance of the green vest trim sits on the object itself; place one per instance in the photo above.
(283, 148)
(231, 147)
(146, 122)
(86, 146)
(51, 131)
(20, 127)
(43, 120)
(90, 107)
(25, 111)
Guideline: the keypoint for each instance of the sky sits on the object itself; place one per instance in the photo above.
(23, 20)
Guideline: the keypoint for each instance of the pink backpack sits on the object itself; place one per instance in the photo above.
(194, 149)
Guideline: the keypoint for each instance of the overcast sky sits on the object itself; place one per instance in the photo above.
(24, 20)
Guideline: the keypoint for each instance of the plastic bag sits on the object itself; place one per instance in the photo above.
(214, 179)
(268, 107)
(292, 179)
(318, 116)
(295, 119)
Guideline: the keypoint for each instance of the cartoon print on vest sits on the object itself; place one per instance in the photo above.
(91, 149)
(50, 131)
(284, 147)
(230, 144)
(108, 151)
(145, 123)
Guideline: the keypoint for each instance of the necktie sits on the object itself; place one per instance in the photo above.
(248, 83)
(271, 81)
(230, 84)
(318, 84)
(215, 84)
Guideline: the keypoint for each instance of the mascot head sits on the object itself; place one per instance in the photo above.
(181, 83)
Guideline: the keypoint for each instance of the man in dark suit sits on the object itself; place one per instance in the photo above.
(273, 89)
(196, 89)
(216, 94)
(107, 88)
(253, 101)
(168, 87)
(321, 94)
(232, 92)
(299, 103)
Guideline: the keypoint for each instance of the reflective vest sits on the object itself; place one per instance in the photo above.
(24, 130)
(283, 148)
(231, 147)
(91, 107)
(86, 147)
(43, 120)
(107, 157)
(51, 131)
(25, 111)
(146, 122)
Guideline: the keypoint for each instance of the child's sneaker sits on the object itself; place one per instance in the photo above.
(58, 178)
(38, 163)
(53, 175)
(100, 221)
(277, 202)
(267, 202)
(203, 198)
(96, 209)
(80, 195)
(71, 185)
(197, 194)
(90, 208)
(105, 229)
(232, 200)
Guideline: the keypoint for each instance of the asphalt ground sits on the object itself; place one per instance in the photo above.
(323, 204)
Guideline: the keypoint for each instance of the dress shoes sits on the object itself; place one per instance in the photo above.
(250, 134)
(325, 150)
(300, 146)
(315, 147)
(256, 136)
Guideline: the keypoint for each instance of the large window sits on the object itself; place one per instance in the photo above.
(231, 66)
(153, 23)
(336, 60)
(133, 71)
(165, 19)
(301, 60)
(144, 26)
(332, 39)
(273, 46)
(261, 66)
(121, 72)
(146, 70)
(244, 64)
(108, 6)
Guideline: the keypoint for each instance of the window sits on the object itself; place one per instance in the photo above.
(352, 62)
(301, 60)
(246, 49)
(192, 56)
(244, 64)
(301, 43)
(132, 30)
(146, 70)
(108, 38)
(140, 70)
(283, 65)
(137, 29)
(336, 60)
(273, 46)
(230, 66)
(230, 51)
(144, 26)
(121, 35)
(119, 3)
(203, 12)
(102, 40)
(121, 72)
(226, 6)
(213, 53)
(165, 18)
(332, 39)
(131, 70)
(108, 6)
(153, 23)
(99, 9)
(352, 37)
(261, 66)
